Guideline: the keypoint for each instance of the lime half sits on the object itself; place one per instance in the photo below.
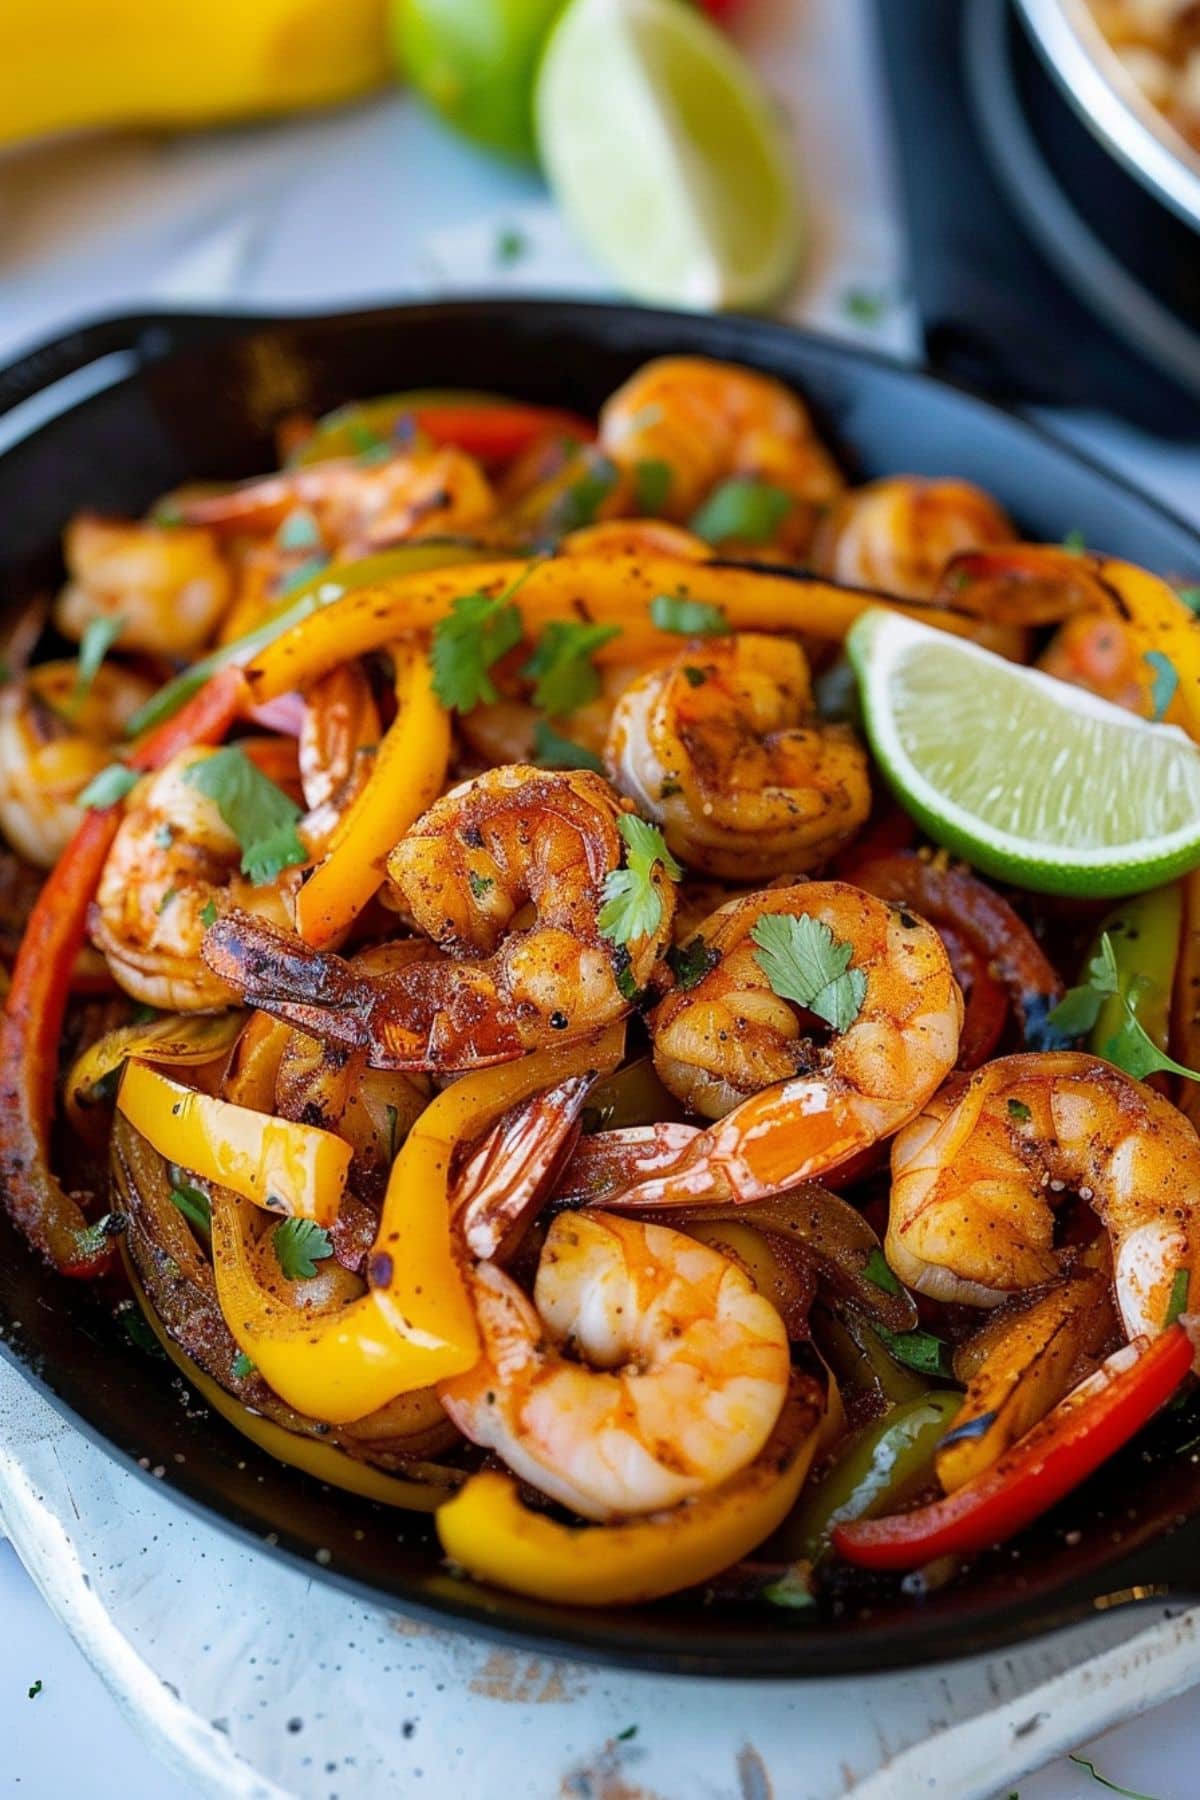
(1029, 778)
(667, 154)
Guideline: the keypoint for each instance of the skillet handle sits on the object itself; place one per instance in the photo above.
(136, 339)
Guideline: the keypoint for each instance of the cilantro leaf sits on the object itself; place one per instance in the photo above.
(299, 1245)
(98, 638)
(1018, 1110)
(35, 1689)
(691, 962)
(511, 245)
(1079, 1008)
(791, 1590)
(690, 618)
(299, 531)
(563, 672)
(863, 307)
(1179, 1296)
(651, 485)
(1132, 1049)
(1165, 682)
(632, 904)
(918, 1350)
(879, 1271)
(109, 786)
(241, 1367)
(478, 630)
(194, 1205)
(259, 814)
(578, 503)
(742, 508)
(208, 913)
(804, 962)
(1074, 541)
(551, 751)
(1190, 597)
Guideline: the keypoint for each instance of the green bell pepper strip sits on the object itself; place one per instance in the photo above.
(319, 591)
(1145, 935)
(883, 1466)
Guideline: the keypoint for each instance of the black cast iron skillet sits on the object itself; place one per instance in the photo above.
(191, 396)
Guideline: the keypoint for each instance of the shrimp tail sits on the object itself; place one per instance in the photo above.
(279, 974)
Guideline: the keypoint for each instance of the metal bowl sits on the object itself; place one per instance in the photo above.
(1112, 106)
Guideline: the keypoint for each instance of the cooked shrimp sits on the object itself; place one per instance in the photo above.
(52, 742)
(707, 421)
(730, 1036)
(504, 730)
(646, 1370)
(359, 506)
(898, 534)
(976, 1177)
(722, 748)
(173, 860)
(168, 584)
(339, 736)
(513, 838)
(1097, 651)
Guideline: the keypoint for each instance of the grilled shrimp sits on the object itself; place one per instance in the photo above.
(513, 838)
(729, 1036)
(52, 742)
(172, 860)
(339, 735)
(899, 533)
(357, 506)
(723, 750)
(646, 1370)
(707, 421)
(975, 1179)
(167, 584)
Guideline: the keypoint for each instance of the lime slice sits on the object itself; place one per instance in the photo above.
(1029, 778)
(474, 61)
(667, 155)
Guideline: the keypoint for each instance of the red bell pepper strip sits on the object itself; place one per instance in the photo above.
(51, 1218)
(497, 433)
(1082, 1431)
(946, 895)
(985, 1003)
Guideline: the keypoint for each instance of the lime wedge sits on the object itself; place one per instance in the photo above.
(1029, 778)
(667, 154)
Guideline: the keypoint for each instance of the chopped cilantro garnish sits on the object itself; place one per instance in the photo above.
(691, 962)
(632, 903)
(864, 307)
(554, 752)
(564, 675)
(109, 786)
(742, 508)
(208, 913)
(1075, 542)
(1164, 683)
(1018, 1110)
(1130, 1047)
(690, 618)
(804, 962)
(918, 1350)
(98, 639)
(791, 1590)
(580, 501)
(651, 486)
(511, 245)
(479, 884)
(1190, 597)
(299, 531)
(299, 1245)
(35, 1690)
(241, 1367)
(260, 815)
(475, 634)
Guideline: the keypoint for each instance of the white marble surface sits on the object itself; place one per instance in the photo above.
(374, 203)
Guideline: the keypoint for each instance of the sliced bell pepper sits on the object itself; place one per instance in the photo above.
(616, 588)
(883, 1465)
(41, 981)
(415, 1324)
(297, 1171)
(1082, 1431)
(409, 774)
(488, 1532)
(325, 1462)
(190, 1039)
(1144, 932)
(485, 425)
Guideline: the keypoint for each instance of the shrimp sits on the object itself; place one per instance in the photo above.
(339, 735)
(707, 421)
(358, 507)
(514, 837)
(899, 533)
(505, 730)
(1097, 651)
(53, 740)
(168, 584)
(647, 1370)
(723, 750)
(975, 1179)
(174, 859)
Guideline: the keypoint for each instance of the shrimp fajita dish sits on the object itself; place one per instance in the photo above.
(595, 980)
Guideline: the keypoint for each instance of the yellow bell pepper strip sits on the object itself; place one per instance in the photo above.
(1144, 933)
(415, 1324)
(325, 1462)
(294, 1170)
(254, 1066)
(50, 1218)
(1165, 627)
(189, 1039)
(610, 588)
(409, 774)
(487, 1531)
